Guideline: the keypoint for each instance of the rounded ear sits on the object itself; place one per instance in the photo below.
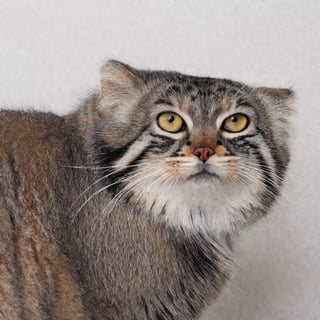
(120, 85)
(278, 105)
(117, 109)
(276, 93)
(277, 100)
(117, 76)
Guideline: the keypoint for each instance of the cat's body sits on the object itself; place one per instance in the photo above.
(90, 230)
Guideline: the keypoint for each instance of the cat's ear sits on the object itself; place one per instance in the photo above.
(278, 100)
(277, 103)
(116, 115)
(276, 93)
(120, 84)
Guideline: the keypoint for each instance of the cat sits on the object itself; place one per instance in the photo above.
(125, 208)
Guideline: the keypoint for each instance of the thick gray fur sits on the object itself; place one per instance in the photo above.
(91, 230)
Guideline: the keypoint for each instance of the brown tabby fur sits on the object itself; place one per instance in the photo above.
(33, 268)
(37, 279)
(59, 263)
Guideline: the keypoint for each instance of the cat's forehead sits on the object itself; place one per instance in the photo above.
(202, 97)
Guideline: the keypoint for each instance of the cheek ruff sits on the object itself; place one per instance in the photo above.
(196, 201)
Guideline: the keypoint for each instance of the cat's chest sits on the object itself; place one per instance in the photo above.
(146, 271)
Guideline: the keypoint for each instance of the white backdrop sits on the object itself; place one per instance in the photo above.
(50, 54)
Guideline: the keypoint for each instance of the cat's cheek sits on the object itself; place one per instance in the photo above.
(221, 151)
(172, 172)
(178, 169)
(232, 174)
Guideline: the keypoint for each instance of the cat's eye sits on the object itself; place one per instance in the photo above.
(235, 123)
(170, 122)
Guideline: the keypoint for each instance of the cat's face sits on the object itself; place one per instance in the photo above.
(195, 153)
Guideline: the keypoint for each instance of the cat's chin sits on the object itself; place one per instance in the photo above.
(200, 203)
(203, 176)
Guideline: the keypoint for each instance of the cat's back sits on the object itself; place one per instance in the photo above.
(29, 142)
(34, 273)
(31, 129)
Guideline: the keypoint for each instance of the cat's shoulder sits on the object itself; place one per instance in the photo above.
(21, 122)
(32, 133)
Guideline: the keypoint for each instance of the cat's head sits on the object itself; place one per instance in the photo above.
(194, 153)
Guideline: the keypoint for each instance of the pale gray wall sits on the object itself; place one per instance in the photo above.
(50, 53)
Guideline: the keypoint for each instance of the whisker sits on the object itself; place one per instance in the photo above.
(251, 169)
(126, 190)
(91, 197)
(103, 167)
(139, 166)
(246, 175)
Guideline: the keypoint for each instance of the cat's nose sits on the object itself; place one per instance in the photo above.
(203, 153)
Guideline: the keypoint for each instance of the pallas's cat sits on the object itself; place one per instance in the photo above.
(121, 209)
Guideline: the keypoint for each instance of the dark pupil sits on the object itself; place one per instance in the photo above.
(170, 118)
(234, 119)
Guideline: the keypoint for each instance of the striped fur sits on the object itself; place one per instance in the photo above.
(157, 167)
(104, 215)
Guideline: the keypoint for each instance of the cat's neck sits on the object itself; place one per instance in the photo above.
(109, 245)
(115, 247)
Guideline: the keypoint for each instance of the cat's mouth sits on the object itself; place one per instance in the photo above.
(203, 174)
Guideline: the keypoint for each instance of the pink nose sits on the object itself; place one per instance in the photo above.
(203, 153)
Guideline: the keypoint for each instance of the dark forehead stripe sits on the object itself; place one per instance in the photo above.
(164, 101)
(174, 89)
(206, 87)
(202, 96)
(175, 78)
(189, 88)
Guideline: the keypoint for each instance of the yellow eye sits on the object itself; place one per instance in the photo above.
(170, 122)
(235, 123)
